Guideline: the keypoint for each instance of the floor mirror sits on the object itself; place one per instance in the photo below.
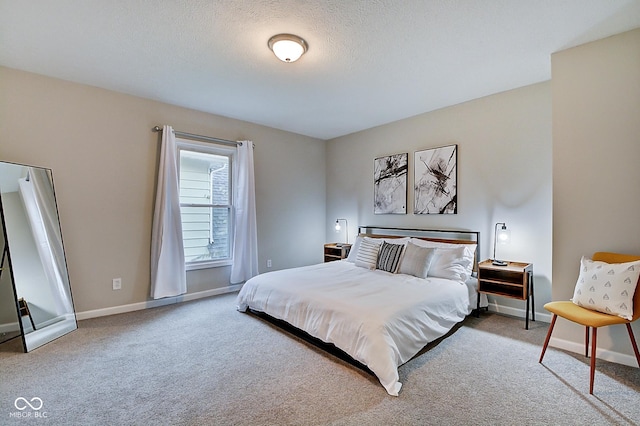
(35, 295)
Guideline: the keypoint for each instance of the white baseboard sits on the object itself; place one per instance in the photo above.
(603, 354)
(9, 327)
(518, 312)
(576, 347)
(155, 303)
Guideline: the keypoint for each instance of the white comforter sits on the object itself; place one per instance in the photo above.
(380, 319)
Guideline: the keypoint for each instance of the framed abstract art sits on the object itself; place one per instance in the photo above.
(436, 180)
(390, 184)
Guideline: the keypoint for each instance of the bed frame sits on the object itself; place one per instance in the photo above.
(438, 235)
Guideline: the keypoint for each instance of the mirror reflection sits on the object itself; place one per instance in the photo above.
(9, 327)
(34, 273)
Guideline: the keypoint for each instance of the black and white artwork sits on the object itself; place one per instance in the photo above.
(435, 181)
(390, 184)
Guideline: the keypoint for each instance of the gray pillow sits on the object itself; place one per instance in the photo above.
(416, 260)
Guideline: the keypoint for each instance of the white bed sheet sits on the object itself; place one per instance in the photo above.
(380, 319)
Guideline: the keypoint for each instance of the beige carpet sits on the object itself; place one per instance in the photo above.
(204, 363)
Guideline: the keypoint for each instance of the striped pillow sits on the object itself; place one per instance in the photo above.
(368, 253)
(389, 257)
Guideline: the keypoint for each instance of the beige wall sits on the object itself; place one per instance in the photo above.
(596, 150)
(103, 155)
(504, 175)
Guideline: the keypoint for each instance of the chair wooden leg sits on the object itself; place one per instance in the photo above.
(586, 341)
(594, 338)
(633, 343)
(546, 341)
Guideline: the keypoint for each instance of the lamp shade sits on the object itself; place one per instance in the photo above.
(502, 235)
(338, 228)
(287, 47)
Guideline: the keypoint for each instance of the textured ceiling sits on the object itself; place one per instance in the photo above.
(369, 62)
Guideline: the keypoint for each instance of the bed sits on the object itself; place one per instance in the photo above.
(397, 291)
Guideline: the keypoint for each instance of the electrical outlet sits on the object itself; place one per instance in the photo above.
(268, 263)
(117, 283)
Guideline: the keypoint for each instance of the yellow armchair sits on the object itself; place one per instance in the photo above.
(593, 319)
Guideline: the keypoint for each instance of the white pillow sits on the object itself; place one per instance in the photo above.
(607, 287)
(416, 260)
(468, 256)
(451, 264)
(351, 257)
(402, 240)
(367, 255)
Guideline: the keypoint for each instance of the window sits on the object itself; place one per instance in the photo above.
(206, 203)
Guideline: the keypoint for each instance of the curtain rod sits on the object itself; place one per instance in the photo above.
(199, 137)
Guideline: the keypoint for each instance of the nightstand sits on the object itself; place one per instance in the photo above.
(335, 251)
(514, 280)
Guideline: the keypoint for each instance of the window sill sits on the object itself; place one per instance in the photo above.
(207, 265)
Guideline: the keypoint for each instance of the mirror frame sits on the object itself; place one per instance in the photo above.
(13, 328)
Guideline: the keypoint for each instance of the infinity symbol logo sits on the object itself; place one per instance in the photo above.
(22, 404)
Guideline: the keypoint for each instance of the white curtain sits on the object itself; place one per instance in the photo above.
(168, 275)
(37, 194)
(245, 241)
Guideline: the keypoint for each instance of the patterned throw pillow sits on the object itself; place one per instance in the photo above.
(607, 287)
(367, 255)
(389, 257)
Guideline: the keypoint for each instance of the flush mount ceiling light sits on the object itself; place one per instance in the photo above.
(288, 47)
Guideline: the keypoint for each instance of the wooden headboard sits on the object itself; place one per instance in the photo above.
(439, 235)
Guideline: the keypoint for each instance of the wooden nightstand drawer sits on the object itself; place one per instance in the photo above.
(333, 251)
